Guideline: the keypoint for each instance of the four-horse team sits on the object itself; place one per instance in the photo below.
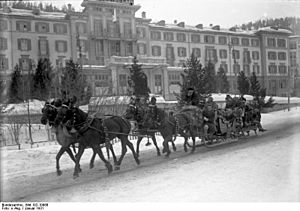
(197, 117)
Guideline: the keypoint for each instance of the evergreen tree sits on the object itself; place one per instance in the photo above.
(73, 83)
(15, 87)
(42, 79)
(209, 78)
(222, 84)
(138, 80)
(243, 83)
(255, 89)
(193, 76)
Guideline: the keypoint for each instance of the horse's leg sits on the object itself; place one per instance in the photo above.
(59, 154)
(99, 152)
(166, 145)
(73, 147)
(92, 161)
(173, 143)
(68, 150)
(77, 158)
(194, 142)
(124, 150)
(130, 145)
(155, 144)
(138, 145)
(113, 154)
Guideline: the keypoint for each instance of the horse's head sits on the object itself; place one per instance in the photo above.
(63, 115)
(49, 112)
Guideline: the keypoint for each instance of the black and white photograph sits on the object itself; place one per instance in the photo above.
(149, 101)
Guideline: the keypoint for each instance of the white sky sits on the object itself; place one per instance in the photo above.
(218, 12)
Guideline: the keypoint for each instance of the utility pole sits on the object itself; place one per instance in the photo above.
(289, 87)
(32, 65)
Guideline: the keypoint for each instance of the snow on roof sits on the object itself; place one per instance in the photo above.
(274, 30)
(42, 14)
(205, 29)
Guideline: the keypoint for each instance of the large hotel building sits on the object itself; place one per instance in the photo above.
(106, 35)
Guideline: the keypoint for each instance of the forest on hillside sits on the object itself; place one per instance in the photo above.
(291, 23)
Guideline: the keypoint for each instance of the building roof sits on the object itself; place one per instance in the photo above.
(271, 29)
(32, 13)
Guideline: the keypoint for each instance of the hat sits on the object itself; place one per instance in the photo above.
(191, 89)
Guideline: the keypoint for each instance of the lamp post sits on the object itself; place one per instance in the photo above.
(231, 47)
(32, 67)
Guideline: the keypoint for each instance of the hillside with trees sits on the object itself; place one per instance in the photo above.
(291, 23)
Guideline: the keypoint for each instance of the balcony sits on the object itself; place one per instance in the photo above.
(147, 60)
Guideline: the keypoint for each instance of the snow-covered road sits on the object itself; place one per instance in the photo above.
(262, 168)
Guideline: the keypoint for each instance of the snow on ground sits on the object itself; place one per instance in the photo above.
(265, 169)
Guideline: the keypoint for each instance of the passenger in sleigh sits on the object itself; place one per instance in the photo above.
(153, 109)
(191, 98)
(209, 116)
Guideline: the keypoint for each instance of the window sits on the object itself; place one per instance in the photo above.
(256, 69)
(170, 52)
(23, 26)
(281, 56)
(281, 43)
(83, 44)
(155, 35)
(246, 69)
(195, 38)
(168, 36)
(197, 52)
(293, 45)
(102, 80)
(181, 52)
(141, 32)
(255, 55)
(236, 54)
(127, 29)
(3, 25)
(98, 27)
(115, 48)
(61, 46)
(246, 57)
(24, 44)
(245, 41)
(60, 28)
(80, 28)
(236, 68)
(223, 54)
(181, 37)
(24, 63)
(271, 42)
(142, 49)
(123, 80)
(128, 49)
(43, 47)
(174, 78)
(113, 29)
(3, 63)
(235, 41)
(157, 84)
(209, 39)
(272, 55)
(156, 51)
(293, 59)
(255, 42)
(282, 69)
(282, 84)
(3, 43)
(222, 40)
(272, 69)
(99, 48)
(224, 66)
(42, 27)
(211, 55)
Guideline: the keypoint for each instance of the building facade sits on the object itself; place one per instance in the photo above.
(106, 36)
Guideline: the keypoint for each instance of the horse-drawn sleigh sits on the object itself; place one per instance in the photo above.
(189, 122)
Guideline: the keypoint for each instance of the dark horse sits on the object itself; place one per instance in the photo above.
(96, 131)
(182, 123)
(49, 113)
